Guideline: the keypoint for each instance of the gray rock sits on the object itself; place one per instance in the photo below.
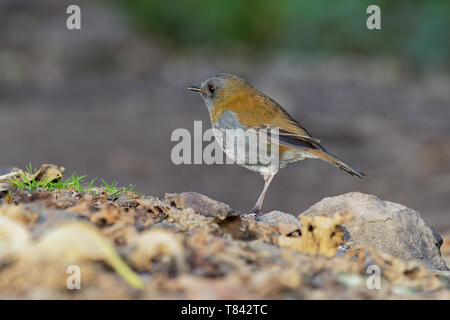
(387, 226)
(4, 171)
(277, 216)
(201, 204)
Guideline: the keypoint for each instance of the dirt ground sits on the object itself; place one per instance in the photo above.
(69, 245)
(104, 101)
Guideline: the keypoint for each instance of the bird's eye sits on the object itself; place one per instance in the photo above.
(211, 88)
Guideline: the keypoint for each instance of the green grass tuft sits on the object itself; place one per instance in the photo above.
(30, 185)
(74, 182)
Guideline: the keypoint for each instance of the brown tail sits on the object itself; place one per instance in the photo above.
(322, 154)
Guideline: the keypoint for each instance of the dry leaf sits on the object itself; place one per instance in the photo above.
(395, 269)
(288, 229)
(154, 205)
(82, 208)
(49, 172)
(106, 216)
(13, 174)
(319, 235)
(19, 213)
(77, 242)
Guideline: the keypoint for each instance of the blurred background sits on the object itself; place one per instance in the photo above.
(104, 100)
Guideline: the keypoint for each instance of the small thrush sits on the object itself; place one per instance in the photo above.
(235, 105)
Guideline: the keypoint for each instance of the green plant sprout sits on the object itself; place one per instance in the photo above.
(113, 190)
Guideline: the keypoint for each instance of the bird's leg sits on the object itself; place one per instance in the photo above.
(258, 206)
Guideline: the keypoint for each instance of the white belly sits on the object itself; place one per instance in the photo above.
(246, 149)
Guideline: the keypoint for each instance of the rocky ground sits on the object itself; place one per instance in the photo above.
(188, 246)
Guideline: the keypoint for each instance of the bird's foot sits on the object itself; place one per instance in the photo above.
(253, 212)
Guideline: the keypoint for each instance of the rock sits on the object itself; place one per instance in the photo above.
(275, 217)
(387, 226)
(201, 204)
(49, 172)
(4, 171)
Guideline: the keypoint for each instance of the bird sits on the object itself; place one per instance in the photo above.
(234, 105)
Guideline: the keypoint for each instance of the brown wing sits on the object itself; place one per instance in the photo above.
(256, 110)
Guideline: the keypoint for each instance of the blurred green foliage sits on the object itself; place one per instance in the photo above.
(418, 30)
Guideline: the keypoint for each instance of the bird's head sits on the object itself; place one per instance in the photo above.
(221, 88)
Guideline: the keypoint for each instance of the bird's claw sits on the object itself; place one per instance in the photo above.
(254, 212)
